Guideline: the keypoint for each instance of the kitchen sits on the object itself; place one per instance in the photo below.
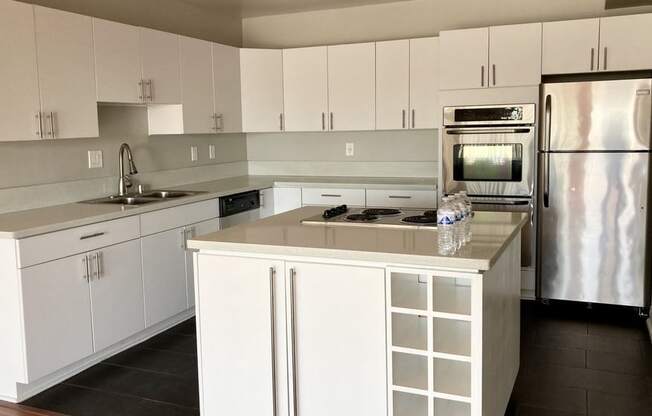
(254, 117)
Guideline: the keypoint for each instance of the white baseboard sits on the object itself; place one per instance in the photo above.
(25, 391)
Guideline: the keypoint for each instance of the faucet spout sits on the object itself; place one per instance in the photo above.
(124, 181)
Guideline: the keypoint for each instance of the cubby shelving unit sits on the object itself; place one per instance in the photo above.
(430, 336)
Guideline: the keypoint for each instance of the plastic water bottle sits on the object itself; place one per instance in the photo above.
(460, 220)
(446, 227)
(469, 216)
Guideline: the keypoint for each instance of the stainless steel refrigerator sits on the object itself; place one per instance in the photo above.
(593, 192)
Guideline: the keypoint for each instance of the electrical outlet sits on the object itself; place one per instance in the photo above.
(194, 155)
(211, 151)
(95, 160)
(350, 149)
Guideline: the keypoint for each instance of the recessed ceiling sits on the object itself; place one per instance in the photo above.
(252, 8)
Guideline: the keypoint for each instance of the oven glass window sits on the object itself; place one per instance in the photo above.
(488, 162)
(489, 114)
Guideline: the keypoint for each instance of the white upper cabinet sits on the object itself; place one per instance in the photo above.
(20, 106)
(262, 90)
(625, 43)
(64, 44)
(305, 88)
(464, 59)
(161, 72)
(352, 86)
(117, 62)
(226, 88)
(424, 83)
(570, 47)
(392, 84)
(197, 86)
(515, 55)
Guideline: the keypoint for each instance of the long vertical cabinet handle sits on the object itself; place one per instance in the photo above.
(493, 68)
(414, 118)
(39, 125)
(280, 124)
(403, 120)
(141, 86)
(592, 58)
(323, 121)
(85, 270)
(149, 94)
(331, 120)
(546, 156)
(184, 234)
(482, 76)
(604, 67)
(49, 117)
(295, 399)
(272, 325)
(99, 265)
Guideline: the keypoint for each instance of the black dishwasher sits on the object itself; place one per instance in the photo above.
(239, 208)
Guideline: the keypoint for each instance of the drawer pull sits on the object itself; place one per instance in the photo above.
(331, 196)
(400, 197)
(95, 235)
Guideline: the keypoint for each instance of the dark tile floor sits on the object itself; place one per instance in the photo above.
(156, 378)
(574, 361)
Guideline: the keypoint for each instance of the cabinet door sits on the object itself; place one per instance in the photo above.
(116, 293)
(20, 103)
(64, 44)
(57, 315)
(570, 47)
(337, 339)
(424, 84)
(117, 62)
(262, 90)
(197, 86)
(352, 87)
(192, 231)
(305, 88)
(267, 202)
(392, 84)
(226, 85)
(625, 43)
(241, 336)
(515, 55)
(160, 52)
(286, 199)
(164, 275)
(464, 59)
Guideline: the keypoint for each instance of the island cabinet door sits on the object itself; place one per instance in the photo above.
(336, 340)
(241, 336)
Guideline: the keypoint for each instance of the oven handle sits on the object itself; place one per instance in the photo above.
(458, 132)
(506, 203)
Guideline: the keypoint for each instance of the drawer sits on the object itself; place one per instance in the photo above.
(167, 219)
(60, 244)
(401, 199)
(333, 196)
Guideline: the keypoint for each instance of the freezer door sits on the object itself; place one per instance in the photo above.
(592, 231)
(596, 116)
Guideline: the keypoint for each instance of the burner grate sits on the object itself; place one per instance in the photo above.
(362, 218)
(420, 219)
(381, 211)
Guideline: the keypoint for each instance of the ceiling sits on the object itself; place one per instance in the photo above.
(252, 8)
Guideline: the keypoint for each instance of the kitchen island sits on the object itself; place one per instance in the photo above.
(301, 319)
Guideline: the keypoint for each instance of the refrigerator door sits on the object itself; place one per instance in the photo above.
(592, 230)
(596, 116)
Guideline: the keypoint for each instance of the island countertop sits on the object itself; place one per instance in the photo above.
(285, 235)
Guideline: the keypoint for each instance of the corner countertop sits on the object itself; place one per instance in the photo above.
(284, 235)
(23, 224)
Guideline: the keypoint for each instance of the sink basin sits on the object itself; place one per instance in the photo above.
(141, 199)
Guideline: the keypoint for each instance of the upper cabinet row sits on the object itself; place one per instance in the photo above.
(365, 86)
(620, 43)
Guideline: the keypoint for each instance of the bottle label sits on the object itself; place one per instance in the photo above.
(446, 218)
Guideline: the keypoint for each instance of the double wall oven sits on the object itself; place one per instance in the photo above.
(490, 152)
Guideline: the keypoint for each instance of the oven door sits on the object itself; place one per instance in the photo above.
(489, 161)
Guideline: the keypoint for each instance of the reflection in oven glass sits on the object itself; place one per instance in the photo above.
(488, 162)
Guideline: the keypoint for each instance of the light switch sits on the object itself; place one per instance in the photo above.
(193, 153)
(211, 151)
(95, 160)
(350, 149)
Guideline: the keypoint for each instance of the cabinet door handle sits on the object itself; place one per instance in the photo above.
(141, 86)
(183, 239)
(92, 266)
(50, 119)
(89, 236)
(100, 264)
(592, 58)
(331, 196)
(493, 67)
(272, 324)
(280, 118)
(149, 96)
(482, 76)
(403, 119)
(85, 270)
(331, 120)
(220, 122)
(295, 399)
(400, 197)
(39, 125)
(605, 59)
(414, 117)
(323, 121)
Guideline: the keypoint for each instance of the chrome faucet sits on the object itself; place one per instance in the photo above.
(124, 183)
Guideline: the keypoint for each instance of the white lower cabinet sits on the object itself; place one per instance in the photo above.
(333, 196)
(381, 198)
(116, 293)
(56, 315)
(267, 206)
(286, 199)
(164, 275)
(193, 231)
(331, 360)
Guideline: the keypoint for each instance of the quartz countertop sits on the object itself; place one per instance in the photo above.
(22, 224)
(284, 235)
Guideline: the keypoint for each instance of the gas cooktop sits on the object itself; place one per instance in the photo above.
(375, 217)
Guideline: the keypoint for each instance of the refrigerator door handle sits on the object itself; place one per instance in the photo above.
(546, 180)
(547, 126)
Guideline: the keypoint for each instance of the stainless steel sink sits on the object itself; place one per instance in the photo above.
(142, 199)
